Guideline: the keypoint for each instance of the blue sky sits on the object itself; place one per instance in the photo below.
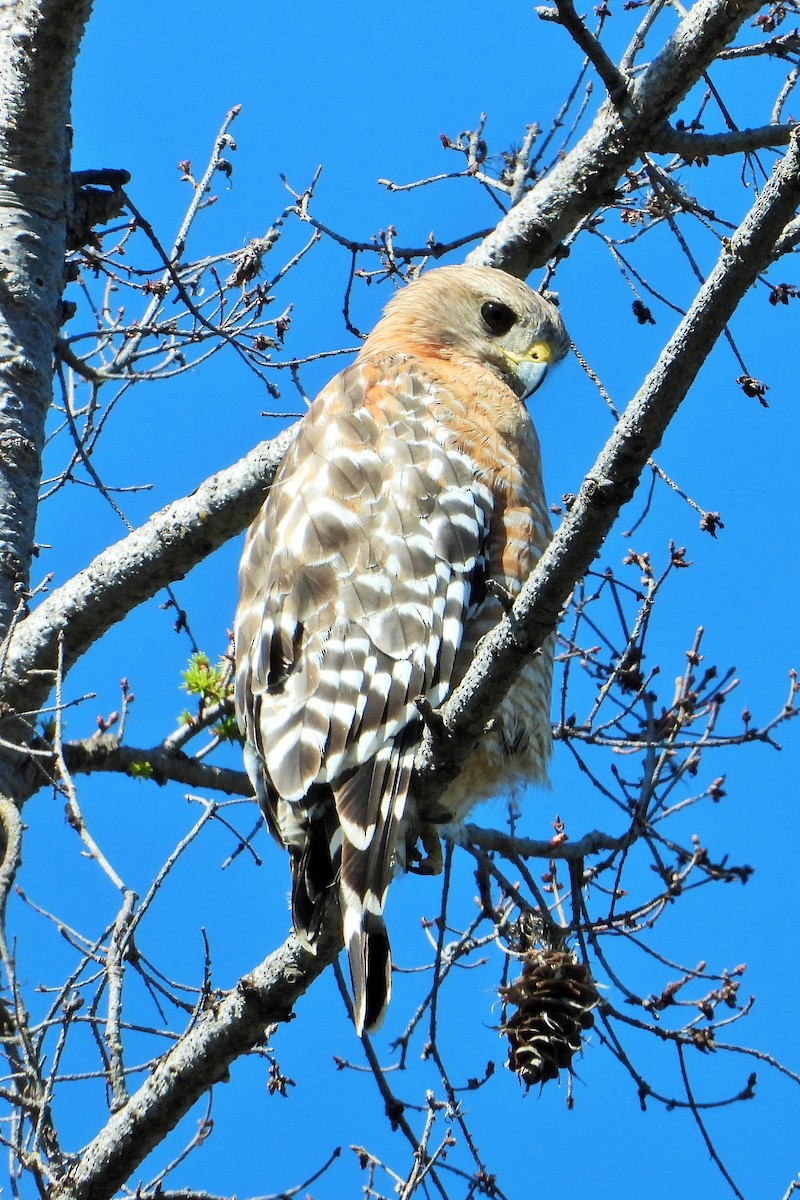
(366, 90)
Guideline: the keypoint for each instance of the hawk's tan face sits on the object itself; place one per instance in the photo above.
(475, 314)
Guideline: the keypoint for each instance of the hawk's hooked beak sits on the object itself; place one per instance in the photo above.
(530, 368)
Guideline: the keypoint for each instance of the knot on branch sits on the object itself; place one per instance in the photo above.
(433, 719)
(97, 197)
(17, 452)
(601, 491)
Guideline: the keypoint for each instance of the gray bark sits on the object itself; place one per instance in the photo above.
(165, 548)
(38, 45)
(199, 1060)
(531, 232)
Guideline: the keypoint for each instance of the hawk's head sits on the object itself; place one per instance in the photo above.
(476, 314)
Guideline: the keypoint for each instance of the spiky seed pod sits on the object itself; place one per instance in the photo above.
(553, 1000)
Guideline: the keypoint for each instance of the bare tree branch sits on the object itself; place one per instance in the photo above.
(180, 536)
(267, 995)
(735, 141)
(493, 839)
(612, 480)
(200, 1059)
(183, 534)
(615, 81)
(106, 753)
(134, 569)
(531, 231)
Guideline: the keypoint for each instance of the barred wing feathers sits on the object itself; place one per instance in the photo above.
(356, 583)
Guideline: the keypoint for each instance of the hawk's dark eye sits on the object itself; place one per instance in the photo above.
(498, 317)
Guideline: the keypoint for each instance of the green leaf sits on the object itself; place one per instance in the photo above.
(140, 770)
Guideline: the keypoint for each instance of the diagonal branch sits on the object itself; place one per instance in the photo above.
(163, 549)
(201, 1058)
(530, 233)
(616, 83)
(611, 481)
(177, 538)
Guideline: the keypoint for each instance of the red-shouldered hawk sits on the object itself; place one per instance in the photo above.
(414, 478)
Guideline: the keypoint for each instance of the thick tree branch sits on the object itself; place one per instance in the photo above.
(174, 540)
(788, 241)
(228, 1029)
(187, 531)
(134, 569)
(781, 46)
(611, 481)
(532, 230)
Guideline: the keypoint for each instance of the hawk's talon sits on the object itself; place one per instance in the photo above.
(433, 863)
(496, 589)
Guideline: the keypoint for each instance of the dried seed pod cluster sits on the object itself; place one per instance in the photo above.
(552, 1001)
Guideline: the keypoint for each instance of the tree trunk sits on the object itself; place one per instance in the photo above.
(38, 47)
(39, 42)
